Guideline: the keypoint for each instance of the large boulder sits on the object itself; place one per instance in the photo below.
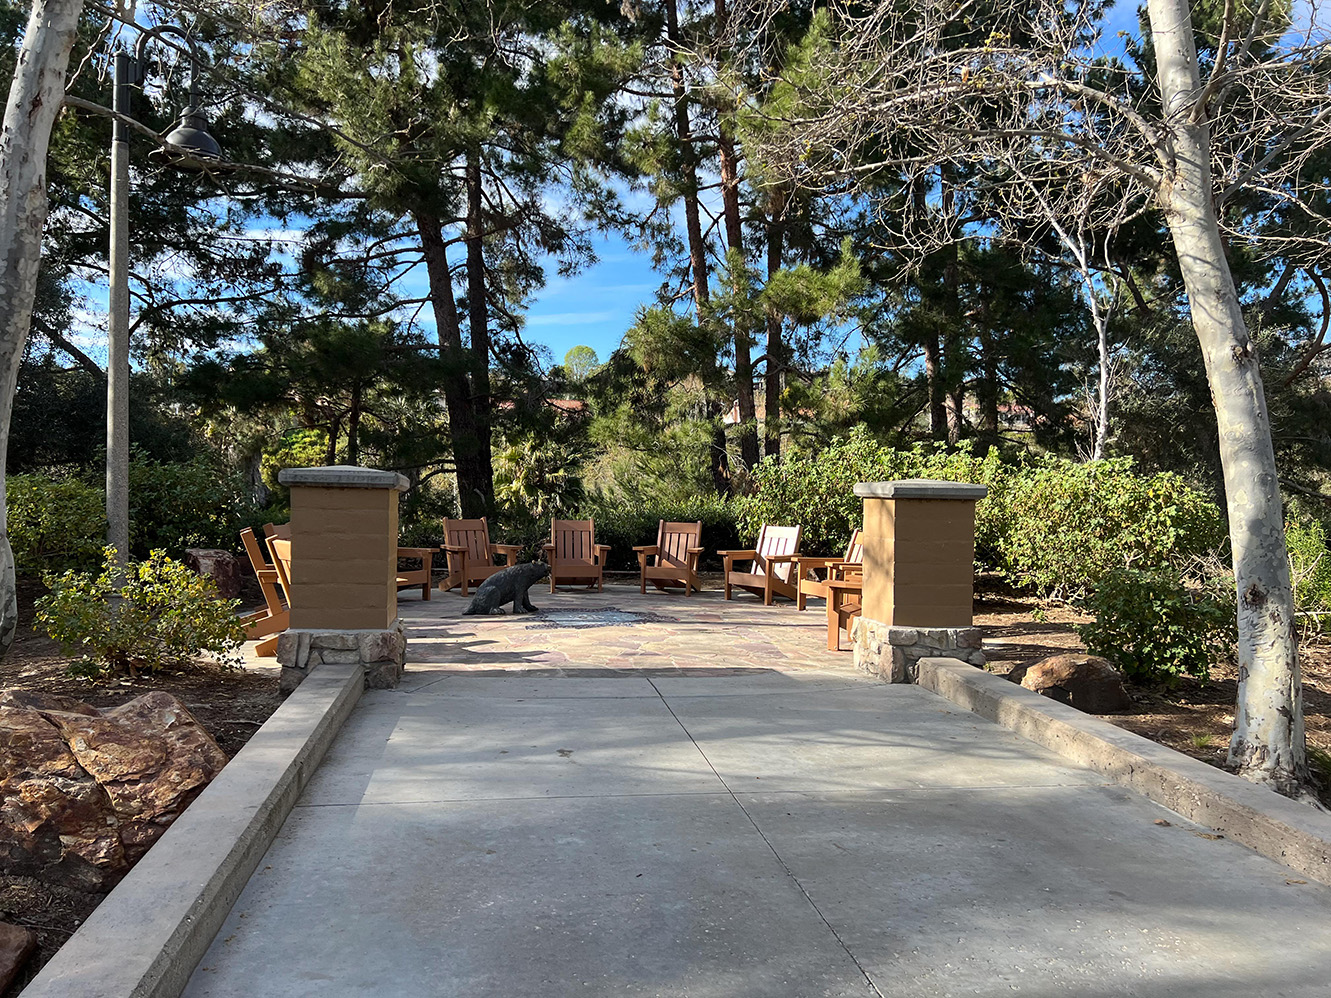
(220, 566)
(1087, 682)
(85, 792)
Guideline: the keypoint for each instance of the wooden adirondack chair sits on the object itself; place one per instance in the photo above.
(471, 556)
(834, 568)
(275, 617)
(676, 557)
(773, 567)
(574, 555)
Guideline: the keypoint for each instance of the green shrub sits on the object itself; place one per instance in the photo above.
(197, 504)
(54, 523)
(157, 614)
(1051, 525)
(1155, 627)
(817, 491)
(1067, 524)
(1310, 567)
(625, 523)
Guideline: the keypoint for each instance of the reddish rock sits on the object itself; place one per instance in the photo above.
(220, 566)
(16, 945)
(1087, 682)
(84, 793)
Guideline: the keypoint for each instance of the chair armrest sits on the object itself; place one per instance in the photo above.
(696, 550)
(601, 550)
(807, 561)
(415, 552)
(506, 548)
(738, 554)
(781, 559)
(646, 548)
(454, 548)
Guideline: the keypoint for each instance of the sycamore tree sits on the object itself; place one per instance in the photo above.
(1217, 122)
(34, 99)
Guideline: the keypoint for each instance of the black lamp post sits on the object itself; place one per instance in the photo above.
(188, 146)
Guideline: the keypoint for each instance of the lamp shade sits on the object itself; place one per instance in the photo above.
(189, 144)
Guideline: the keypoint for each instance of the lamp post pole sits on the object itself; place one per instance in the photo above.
(188, 146)
(117, 332)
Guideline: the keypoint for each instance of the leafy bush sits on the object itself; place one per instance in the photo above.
(625, 523)
(178, 506)
(817, 491)
(157, 614)
(1051, 525)
(1155, 627)
(1067, 524)
(54, 523)
(1310, 566)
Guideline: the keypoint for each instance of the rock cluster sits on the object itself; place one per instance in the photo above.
(220, 566)
(381, 653)
(85, 792)
(890, 652)
(1087, 682)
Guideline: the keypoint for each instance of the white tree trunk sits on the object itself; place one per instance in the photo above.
(34, 101)
(1268, 743)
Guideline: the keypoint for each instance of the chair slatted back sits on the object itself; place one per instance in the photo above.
(257, 560)
(855, 549)
(574, 540)
(281, 549)
(474, 535)
(673, 541)
(774, 541)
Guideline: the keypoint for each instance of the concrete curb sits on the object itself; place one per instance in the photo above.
(1290, 833)
(145, 939)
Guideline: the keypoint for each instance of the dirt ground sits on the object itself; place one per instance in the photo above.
(1194, 717)
(231, 705)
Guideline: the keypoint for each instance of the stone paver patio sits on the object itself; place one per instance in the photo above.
(657, 631)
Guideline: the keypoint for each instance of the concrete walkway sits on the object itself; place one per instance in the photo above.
(770, 832)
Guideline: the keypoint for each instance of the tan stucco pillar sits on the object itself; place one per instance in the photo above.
(343, 572)
(919, 558)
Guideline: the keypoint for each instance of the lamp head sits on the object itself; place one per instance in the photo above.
(189, 146)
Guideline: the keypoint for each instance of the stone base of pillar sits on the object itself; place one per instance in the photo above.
(381, 653)
(890, 652)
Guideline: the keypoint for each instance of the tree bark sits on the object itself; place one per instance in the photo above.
(481, 470)
(457, 389)
(1268, 743)
(718, 453)
(953, 361)
(933, 353)
(34, 100)
(776, 347)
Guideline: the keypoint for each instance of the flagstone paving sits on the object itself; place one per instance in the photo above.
(620, 629)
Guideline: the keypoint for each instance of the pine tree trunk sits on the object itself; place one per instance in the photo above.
(933, 352)
(34, 100)
(776, 348)
(481, 471)
(1268, 743)
(954, 360)
(456, 388)
(719, 457)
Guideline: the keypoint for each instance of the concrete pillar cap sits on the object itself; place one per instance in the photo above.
(919, 488)
(344, 476)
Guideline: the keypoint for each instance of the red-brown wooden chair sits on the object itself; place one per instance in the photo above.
(833, 568)
(674, 556)
(574, 555)
(772, 571)
(471, 556)
(275, 617)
